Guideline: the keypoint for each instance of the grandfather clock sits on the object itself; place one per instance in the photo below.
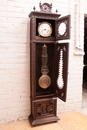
(48, 63)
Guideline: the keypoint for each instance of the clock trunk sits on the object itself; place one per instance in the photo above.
(48, 67)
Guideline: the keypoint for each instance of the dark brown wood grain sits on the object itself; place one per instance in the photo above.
(44, 101)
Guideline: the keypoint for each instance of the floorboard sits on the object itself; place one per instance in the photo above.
(68, 121)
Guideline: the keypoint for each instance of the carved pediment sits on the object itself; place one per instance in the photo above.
(45, 7)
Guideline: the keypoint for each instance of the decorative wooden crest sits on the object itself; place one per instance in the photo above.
(45, 7)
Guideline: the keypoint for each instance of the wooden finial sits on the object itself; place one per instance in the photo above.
(34, 8)
(56, 11)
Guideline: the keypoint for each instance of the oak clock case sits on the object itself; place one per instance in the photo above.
(48, 63)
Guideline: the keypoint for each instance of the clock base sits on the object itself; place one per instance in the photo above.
(45, 120)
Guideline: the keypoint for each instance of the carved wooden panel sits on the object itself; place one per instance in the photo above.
(45, 107)
(63, 28)
(32, 69)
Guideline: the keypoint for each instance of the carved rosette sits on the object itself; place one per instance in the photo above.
(45, 108)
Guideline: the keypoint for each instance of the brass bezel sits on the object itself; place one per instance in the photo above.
(39, 32)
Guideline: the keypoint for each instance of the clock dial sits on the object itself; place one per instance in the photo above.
(44, 29)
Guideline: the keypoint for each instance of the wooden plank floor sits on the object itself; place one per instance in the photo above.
(68, 121)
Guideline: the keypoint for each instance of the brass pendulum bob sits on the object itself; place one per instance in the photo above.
(44, 80)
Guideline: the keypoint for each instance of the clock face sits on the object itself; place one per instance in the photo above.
(44, 29)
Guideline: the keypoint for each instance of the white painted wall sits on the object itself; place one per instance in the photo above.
(15, 58)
